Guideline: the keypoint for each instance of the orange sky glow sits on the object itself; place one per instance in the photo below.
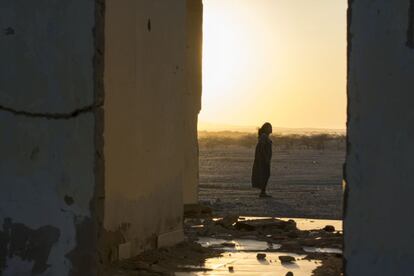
(282, 61)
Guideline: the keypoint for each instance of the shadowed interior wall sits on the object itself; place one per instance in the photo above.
(50, 101)
(379, 233)
(150, 119)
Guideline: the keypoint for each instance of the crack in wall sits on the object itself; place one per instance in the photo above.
(52, 116)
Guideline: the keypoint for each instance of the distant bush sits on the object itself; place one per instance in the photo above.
(318, 141)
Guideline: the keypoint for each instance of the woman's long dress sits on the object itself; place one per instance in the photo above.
(261, 165)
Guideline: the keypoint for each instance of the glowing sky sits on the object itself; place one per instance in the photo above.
(282, 61)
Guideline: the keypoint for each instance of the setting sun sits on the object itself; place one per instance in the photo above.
(274, 60)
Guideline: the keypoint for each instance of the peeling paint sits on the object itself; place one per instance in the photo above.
(18, 240)
(83, 257)
(88, 257)
(51, 99)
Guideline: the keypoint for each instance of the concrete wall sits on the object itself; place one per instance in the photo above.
(52, 81)
(379, 233)
(150, 122)
(50, 125)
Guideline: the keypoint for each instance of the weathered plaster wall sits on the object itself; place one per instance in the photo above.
(379, 233)
(150, 123)
(50, 170)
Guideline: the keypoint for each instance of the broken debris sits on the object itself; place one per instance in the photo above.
(286, 259)
(329, 228)
(261, 256)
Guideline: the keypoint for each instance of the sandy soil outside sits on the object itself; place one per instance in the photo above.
(304, 183)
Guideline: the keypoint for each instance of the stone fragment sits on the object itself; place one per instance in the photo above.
(329, 228)
(228, 244)
(287, 259)
(228, 221)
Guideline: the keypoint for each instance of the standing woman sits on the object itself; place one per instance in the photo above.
(262, 158)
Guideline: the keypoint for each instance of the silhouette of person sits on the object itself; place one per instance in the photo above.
(262, 158)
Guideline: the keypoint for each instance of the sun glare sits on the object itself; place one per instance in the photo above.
(269, 60)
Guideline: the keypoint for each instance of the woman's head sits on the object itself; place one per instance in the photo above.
(265, 129)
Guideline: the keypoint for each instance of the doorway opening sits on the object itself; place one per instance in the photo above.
(282, 62)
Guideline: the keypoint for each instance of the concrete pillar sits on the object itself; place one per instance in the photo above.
(61, 212)
(51, 169)
(147, 113)
(379, 233)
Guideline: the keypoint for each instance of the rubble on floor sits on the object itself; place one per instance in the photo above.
(186, 256)
(236, 243)
(274, 231)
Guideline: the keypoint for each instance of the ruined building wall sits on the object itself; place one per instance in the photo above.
(50, 145)
(150, 123)
(194, 44)
(380, 169)
(53, 190)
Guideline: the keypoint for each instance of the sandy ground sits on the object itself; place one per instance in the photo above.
(304, 183)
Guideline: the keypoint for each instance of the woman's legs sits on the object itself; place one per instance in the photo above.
(263, 191)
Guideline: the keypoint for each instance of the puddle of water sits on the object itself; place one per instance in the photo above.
(242, 257)
(197, 226)
(240, 244)
(322, 250)
(253, 245)
(246, 263)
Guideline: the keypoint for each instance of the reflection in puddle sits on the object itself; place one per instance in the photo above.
(246, 263)
(253, 245)
(239, 244)
(322, 250)
(240, 255)
(240, 258)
